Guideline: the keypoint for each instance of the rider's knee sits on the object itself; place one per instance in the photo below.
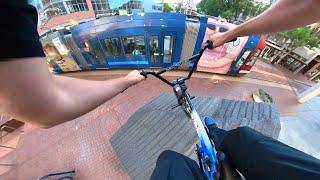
(167, 154)
(244, 129)
(249, 134)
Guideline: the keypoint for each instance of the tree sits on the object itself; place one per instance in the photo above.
(240, 7)
(201, 5)
(227, 14)
(231, 9)
(259, 8)
(299, 37)
(167, 7)
(303, 36)
(214, 7)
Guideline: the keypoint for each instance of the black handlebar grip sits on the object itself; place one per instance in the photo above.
(209, 44)
(232, 40)
(144, 74)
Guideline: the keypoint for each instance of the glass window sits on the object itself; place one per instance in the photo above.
(72, 46)
(55, 9)
(291, 63)
(134, 45)
(100, 6)
(112, 47)
(254, 58)
(96, 49)
(243, 59)
(154, 49)
(62, 10)
(77, 5)
(89, 51)
(168, 49)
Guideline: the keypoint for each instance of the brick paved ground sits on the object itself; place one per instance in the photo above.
(83, 144)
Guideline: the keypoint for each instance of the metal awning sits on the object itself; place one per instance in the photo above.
(274, 46)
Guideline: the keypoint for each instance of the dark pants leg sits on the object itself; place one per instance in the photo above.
(174, 166)
(253, 154)
(259, 157)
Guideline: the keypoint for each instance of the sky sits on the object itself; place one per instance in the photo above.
(117, 3)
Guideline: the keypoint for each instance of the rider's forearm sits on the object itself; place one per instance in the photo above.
(29, 92)
(75, 97)
(284, 15)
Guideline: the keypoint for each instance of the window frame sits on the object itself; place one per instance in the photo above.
(157, 37)
(254, 58)
(172, 36)
(245, 59)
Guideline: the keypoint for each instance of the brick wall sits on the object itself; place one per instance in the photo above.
(58, 20)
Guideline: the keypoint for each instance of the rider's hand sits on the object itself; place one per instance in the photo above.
(134, 77)
(219, 39)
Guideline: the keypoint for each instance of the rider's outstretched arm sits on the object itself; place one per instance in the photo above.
(29, 92)
(284, 15)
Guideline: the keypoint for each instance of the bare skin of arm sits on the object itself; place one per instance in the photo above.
(29, 92)
(284, 15)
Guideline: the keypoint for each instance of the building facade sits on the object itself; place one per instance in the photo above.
(55, 13)
(59, 13)
(300, 60)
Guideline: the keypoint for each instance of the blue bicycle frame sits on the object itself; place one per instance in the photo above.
(207, 153)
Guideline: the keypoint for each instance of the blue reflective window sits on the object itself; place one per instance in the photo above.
(154, 49)
(112, 47)
(243, 58)
(134, 45)
(97, 51)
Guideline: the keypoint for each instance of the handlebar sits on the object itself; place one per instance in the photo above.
(208, 45)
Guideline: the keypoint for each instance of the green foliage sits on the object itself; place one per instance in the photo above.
(228, 14)
(303, 36)
(214, 7)
(314, 42)
(259, 8)
(167, 7)
(201, 4)
(231, 9)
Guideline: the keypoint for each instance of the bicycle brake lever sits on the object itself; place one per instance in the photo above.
(210, 43)
(232, 40)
